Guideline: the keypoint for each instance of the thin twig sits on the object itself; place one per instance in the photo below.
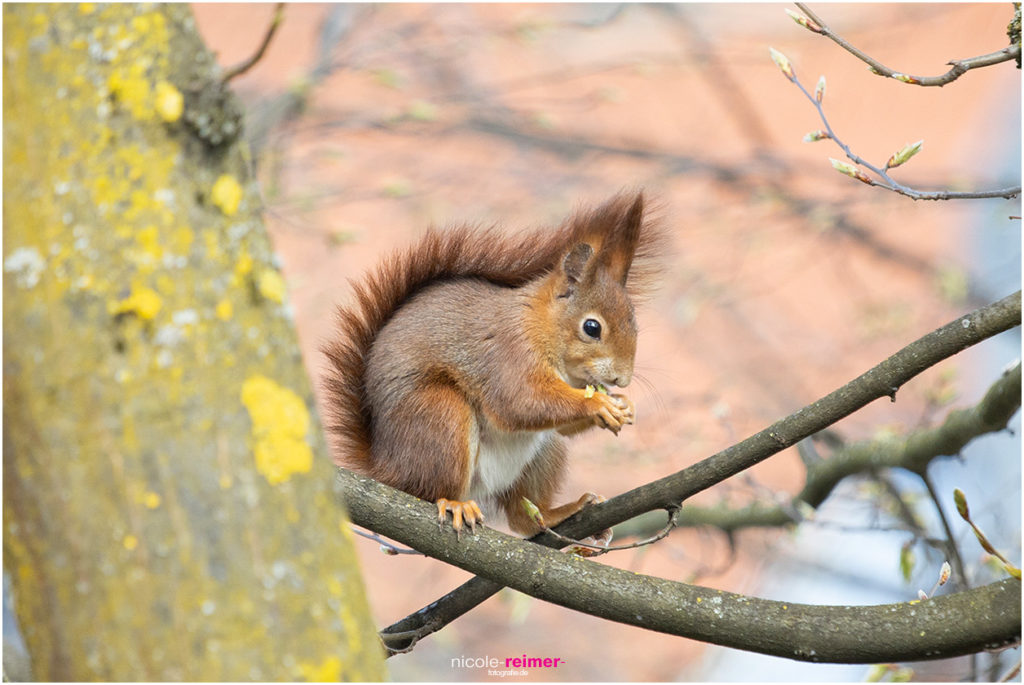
(673, 516)
(963, 510)
(954, 551)
(959, 67)
(387, 546)
(247, 64)
(889, 182)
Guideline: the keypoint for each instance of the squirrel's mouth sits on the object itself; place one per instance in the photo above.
(573, 381)
(582, 383)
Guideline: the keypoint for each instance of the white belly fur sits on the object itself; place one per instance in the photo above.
(501, 458)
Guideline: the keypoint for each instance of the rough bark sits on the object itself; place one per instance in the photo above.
(168, 505)
(941, 627)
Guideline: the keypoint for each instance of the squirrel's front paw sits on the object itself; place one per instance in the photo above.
(628, 408)
(614, 411)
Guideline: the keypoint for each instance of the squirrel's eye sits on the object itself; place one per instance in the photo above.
(592, 327)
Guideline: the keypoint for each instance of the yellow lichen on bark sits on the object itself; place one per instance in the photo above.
(280, 422)
(143, 538)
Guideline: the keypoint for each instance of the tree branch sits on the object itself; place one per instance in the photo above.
(946, 626)
(959, 66)
(883, 380)
(914, 453)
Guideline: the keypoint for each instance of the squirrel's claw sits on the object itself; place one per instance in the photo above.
(615, 411)
(467, 511)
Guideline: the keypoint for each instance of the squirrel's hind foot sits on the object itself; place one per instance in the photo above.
(468, 511)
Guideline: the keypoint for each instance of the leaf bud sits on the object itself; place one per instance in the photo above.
(803, 21)
(815, 136)
(906, 79)
(961, 504)
(819, 90)
(783, 63)
(532, 511)
(904, 154)
(850, 170)
(944, 573)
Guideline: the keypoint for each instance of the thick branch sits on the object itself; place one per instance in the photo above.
(882, 380)
(947, 626)
(914, 453)
(958, 68)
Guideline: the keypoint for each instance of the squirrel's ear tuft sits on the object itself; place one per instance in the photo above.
(574, 266)
(617, 251)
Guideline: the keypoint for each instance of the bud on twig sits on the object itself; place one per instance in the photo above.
(904, 154)
(532, 511)
(804, 21)
(961, 504)
(783, 63)
(961, 507)
(944, 573)
(850, 170)
(815, 136)
(819, 91)
(905, 78)
(985, 544)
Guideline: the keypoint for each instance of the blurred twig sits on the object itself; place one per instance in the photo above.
(247, 64)
(278, 110)
(1012, 673)
(718, 75)
(952, 548)
(386, 546)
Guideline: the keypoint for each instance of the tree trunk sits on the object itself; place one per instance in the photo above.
(168, 508)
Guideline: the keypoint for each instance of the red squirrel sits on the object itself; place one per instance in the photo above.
(466, 357)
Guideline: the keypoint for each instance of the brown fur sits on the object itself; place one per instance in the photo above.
(467, 327)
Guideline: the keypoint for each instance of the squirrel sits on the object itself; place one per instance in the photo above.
(465, 358)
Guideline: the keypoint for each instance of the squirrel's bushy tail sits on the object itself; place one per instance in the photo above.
(462, 252)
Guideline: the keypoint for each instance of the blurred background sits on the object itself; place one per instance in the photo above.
(369, 123)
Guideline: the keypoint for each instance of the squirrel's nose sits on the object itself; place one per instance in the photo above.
(623, 379)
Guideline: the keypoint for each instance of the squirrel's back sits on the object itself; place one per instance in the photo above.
(464, 252)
